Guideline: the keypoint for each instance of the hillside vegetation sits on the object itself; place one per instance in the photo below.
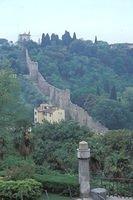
(99, 75)
(49, 150)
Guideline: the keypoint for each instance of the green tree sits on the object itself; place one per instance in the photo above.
(128, 96)
(98, 91)
(9, 92)
(74, 36)
(113, 93)
(54, 144)
(9, 96)
(95, 39)
(45, 40)
(90, 102)
(22, 135)
(3, 41)
(111, 113)
(106, 86)
(66, 38)
(54, 39)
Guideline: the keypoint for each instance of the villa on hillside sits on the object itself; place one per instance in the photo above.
(24, 37)
(50, 113)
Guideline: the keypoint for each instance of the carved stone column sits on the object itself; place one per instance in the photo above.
(84, 178)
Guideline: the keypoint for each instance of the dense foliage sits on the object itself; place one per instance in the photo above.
(96, 73)
(25, 189)
(56, 147)
(100, 79)
(59, 183)
(99, 75)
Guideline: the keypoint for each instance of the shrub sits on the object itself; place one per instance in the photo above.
(13, 161)
(24, 171)
(60, 183)
(27, 190)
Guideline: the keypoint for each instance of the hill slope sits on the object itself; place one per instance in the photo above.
(99, 75)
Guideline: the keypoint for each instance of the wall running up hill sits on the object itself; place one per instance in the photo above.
(61, 98)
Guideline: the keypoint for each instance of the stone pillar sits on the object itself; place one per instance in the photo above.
(84, 178)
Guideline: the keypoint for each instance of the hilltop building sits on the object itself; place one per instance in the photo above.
(49, 113)
(24, 37)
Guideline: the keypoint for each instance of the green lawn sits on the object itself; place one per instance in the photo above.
(54, 197)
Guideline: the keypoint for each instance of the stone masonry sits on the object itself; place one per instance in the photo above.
(61, 98)
(83, 154)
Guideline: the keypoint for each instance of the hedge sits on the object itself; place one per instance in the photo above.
(64, 184)
(27, 189)
(61, 183)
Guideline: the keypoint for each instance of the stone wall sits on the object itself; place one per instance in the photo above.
(32, 67)
(61, 98)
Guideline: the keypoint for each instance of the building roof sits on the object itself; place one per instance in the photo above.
(24, 34)
(46, 108)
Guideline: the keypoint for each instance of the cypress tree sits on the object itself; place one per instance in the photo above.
(54, 38)
(66, 38)
(74, 36)
(95, 39)
(45, 40)
(98, 91)
(106, 86)
(113, 93)
(42, 40)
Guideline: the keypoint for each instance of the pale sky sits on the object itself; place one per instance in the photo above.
(110, 20)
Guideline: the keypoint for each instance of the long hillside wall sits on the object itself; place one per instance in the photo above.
(61, 98)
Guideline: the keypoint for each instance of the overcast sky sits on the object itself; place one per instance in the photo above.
(110, 20)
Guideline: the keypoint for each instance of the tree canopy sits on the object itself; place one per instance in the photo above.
(94, 72)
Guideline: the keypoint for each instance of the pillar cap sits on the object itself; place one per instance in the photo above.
(83, 145)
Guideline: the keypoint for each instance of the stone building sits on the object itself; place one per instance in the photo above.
(61, 99)
(49, 113)
(24, 37)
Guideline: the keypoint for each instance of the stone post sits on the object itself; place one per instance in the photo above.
(84, 179)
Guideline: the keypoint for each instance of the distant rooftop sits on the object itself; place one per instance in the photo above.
(28, 34)
(46, 108)
(24, 37)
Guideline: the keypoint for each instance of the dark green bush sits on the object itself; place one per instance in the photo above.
(11, 160)
(27, 190)
(60, 183)
(22, 172)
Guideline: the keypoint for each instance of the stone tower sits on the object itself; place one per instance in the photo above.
(24, 37)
